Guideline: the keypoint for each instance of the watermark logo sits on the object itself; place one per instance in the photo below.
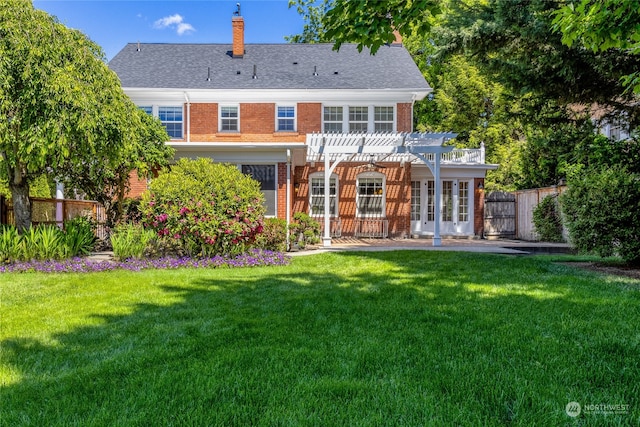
(573, 409)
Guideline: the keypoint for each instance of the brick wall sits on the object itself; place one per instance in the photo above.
(404, 118)
(257, 118)
(137, 185)
(281, 210)
(309, 118)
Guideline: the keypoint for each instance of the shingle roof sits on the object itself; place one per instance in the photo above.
(278, 66)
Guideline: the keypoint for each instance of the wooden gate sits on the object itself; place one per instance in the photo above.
(500, 215)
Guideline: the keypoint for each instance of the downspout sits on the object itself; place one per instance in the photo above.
(186, 98)
(288, 204)
(413, 102)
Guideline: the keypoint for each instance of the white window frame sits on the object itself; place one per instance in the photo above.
(367, 176)
(155, 112)
(341, 121)
(294, 119)
(371, 120)
(332, 180)
(386, 122)
(220, 118)
(361, 109)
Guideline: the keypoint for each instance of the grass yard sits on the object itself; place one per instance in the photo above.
(374, 339)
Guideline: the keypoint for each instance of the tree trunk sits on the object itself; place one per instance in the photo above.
(21, 205)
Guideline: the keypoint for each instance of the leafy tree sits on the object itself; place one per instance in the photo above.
(105, 178)
(603, 25)
(372, 23)
(313, 14)
(61, 108)
(513, 41)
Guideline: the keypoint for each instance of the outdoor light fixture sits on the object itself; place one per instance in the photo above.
(480, 186)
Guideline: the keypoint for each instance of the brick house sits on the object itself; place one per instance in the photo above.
(288, 113)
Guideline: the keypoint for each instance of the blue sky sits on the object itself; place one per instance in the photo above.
(114, 23)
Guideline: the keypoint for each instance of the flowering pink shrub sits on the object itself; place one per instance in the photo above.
(210, 208)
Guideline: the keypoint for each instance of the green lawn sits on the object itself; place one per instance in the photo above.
(378, 339)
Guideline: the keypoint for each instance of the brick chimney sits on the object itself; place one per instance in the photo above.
(237, 25)
(398, 37)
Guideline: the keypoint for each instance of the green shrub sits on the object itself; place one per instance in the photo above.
(601, 211)
(304, 230)
(130, 241)
(79, 236)
(210, 208)
(43, 242)
(273, 236)
(547, 220)
(11, 244)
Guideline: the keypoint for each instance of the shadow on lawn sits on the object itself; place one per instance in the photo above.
(413, 339)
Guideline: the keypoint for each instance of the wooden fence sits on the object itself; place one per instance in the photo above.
(525, 203)
(500, 215)
(56, 211)
(510, 215)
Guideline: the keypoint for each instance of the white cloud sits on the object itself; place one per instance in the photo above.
(174, 21)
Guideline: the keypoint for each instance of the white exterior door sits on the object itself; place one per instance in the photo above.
(456, 207)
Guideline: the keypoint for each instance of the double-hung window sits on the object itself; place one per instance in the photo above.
(383, 119)
(266, 176)
(358, 119)
(370, 198)
(286, 119)
(317, 195)
(171, 118)
(333, 119)
(229, 118)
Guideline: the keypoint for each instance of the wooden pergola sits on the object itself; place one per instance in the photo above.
(333, 148)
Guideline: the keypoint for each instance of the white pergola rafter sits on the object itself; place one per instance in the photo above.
(334, 148)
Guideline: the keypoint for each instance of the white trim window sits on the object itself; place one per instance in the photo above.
(358, 119)
(371, 195)
(285, 118)
(383, 119)
(229, 118)
(332, 119)
(316, 194)
(267, 177)
(171, 118)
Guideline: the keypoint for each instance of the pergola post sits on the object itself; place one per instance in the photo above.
(326, 239)
(437, 241)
